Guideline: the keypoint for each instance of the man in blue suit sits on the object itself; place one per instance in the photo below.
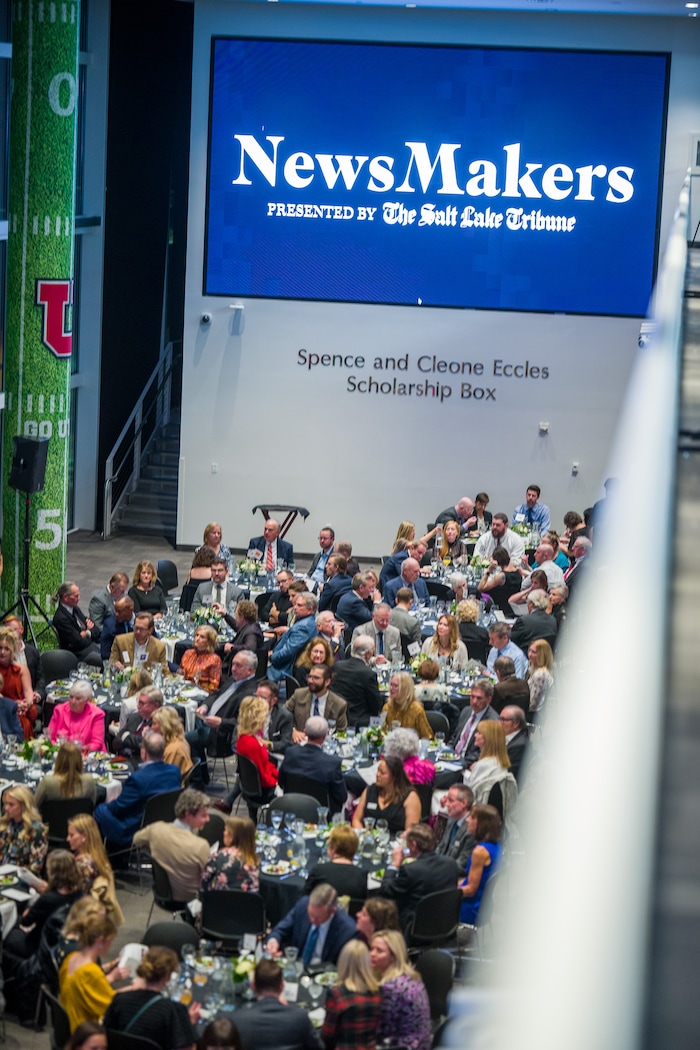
(310, 760)
(272, 547)
(120, 820)
(315, 927)
(410, 577)
(355, 606)
(296, 638)
(337, 582)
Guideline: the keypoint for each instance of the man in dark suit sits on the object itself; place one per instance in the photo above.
(337, 582)
(317, 699)
(273, 548)
(218, 590)
(517, 739)
(271, 1023)
(317, 569)
(462, 740)
(219, 712)
(29, 655)
(355, 681)
(318, 911)
(274, 610)
(509, 689)
(537, 624)
(355, 606)
(410, 578)
(457, 842)
(428, 872)
(122, 622)
(462, 513)
(128, 740)
(120, 820)
(75, 631)
(311, 761)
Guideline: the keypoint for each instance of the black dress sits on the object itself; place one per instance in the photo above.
(165, 1022)
(152, 601)
(394, 814)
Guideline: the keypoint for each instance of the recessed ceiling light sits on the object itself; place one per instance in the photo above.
(691, 5)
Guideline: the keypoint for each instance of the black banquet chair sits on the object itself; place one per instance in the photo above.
(438, 722)
(300, 785)
(58, 663)
(303, 806)
(60, 1026)
(437, 968)
(167, 574)
(229, 914)
(57, 812)
(162, 892)
(436, 919)
(251, 788)
(171, 934)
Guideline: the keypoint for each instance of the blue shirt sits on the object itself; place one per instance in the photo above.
(537, 515)
(517, 656)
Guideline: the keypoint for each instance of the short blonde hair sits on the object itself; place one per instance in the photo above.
(252, 715)
(354, 968)
(169, 723)
(210, 634)
(467, 611)
(396, 944)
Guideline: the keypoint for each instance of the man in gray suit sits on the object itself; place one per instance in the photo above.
(218, 590)
(456, 841)
(387, 639)
(270, 1023)
(408, 625)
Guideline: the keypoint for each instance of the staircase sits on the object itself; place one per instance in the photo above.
(151, 508)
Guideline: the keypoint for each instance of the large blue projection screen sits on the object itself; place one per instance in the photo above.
(468, 177)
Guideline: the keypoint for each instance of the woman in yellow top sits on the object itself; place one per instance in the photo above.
(404, 708)
(84, 989)
(167, 722)
(201, 665)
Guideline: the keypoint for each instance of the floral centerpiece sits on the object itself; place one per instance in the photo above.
(416, 661)
(521, 529)
(478, 563)
(252, 567)
(242, 968)
(40, 747)
(375, 735)
(204, 615)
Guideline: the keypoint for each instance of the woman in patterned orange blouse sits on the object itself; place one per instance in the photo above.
(201, 665)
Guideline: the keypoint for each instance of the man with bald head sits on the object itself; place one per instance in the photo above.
(462, 513)
(272, 548)
(544, 560)
(410, 578)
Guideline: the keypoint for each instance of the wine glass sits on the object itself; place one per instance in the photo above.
(188, 952)
(277, 818)
(315, 992)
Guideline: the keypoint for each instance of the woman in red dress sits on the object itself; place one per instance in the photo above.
(253, 715)
(17, 682)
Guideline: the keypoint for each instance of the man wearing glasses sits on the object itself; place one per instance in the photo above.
(515, 727)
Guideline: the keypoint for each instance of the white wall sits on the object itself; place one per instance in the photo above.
(278, 432)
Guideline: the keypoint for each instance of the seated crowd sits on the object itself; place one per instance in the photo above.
(274, 696)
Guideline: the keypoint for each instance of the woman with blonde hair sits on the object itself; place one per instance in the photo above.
(405, 1010)
(201, 664)
(539, 675)
(446, 646)
(167, 722)
(474, 637)
(252, 719)
(22, 834)
(236, 866)
(85, 990)
(340, 871)
(212, 540)
(403, 707)
(490, 778)
(96, 875)
(145, 1012)
(146, 591)
(353, 1006)
(67, 779)
(17, 681)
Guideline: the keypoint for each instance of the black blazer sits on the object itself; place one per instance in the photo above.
(428, 873)
(357, 684)
(36, 671)
(348, 880)
(220, 737)
(310, 761)
(68, 628)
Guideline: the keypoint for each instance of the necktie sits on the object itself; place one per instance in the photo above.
(498, 542)
(452, 834)
(269, 564)
(317, 712)
(380, 643)
(310, 945)
(462, 742)
(217, 594)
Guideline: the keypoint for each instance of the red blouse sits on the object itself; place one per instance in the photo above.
(252, 748)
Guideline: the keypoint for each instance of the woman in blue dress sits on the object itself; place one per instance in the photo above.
(484, 823)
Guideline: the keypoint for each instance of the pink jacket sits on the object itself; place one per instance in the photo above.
(88, 728)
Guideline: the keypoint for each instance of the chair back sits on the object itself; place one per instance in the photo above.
(188, 776)
(437, 970)
(162, 890)
(58, 663)
(306, 786)
(187, 595)
(441, 591)
(60, 1025)
(425, 794)
(160, 807)
(303, 806)
(261, 601)
(438, 722)
(262, 655)
(173, 935)
(57, 812)
(167, 574)
(213, 830)
(436, 917)
(228, 914)
(291, 685)
(249, 778)
(127, 1041)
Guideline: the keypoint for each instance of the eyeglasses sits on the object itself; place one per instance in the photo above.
(502, 719)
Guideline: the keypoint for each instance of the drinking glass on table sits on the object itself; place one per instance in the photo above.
(277, 818)
(440, 738)
(315, 993)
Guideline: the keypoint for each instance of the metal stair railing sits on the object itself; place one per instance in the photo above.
(152, 410)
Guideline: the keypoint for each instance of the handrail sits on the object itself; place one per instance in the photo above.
(576, 926)
(132, 454)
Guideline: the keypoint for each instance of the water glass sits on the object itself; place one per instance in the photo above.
(322, 813)
(440, 738)
(277, 818)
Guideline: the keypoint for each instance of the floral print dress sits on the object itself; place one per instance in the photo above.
(224, 871)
